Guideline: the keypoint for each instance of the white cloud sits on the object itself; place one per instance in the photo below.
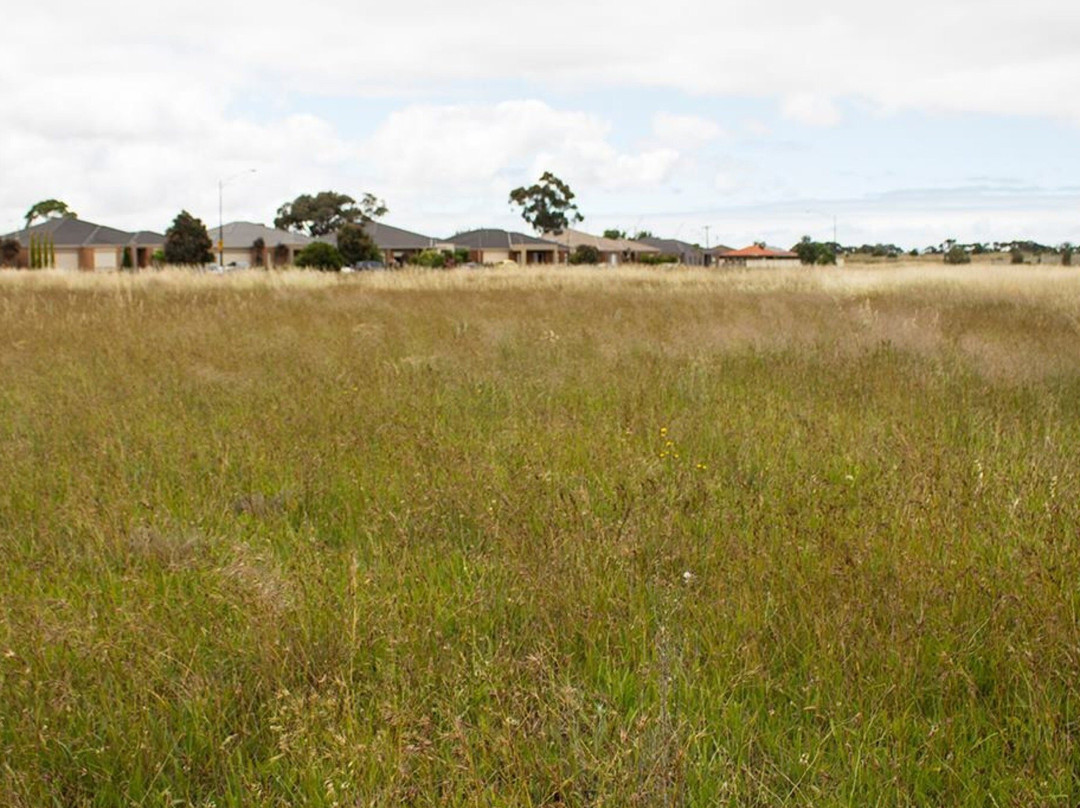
(685, 131)
(427, 147)
(811, 109)
(128, 117)
(964, 55)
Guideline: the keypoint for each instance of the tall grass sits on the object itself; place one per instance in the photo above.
(579, 538)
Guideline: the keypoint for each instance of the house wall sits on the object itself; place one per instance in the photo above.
(494, 256)
(762, 263)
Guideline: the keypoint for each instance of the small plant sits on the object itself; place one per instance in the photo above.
(1067, 250)
(158, 259)
(125, 259)
(320, 255)
(1016, 256)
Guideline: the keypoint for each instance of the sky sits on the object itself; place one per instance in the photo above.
(712, 121)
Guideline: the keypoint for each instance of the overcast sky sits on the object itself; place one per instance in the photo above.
(906, 122)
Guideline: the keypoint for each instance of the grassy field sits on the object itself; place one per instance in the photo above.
(633, 538)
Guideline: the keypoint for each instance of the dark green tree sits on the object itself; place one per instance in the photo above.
(48, 209)
(326, 212)
(957, 255)
(187, 242)
(1067, 251)
(643, 234)
(355, 244)
(548, 205)
(585, 254)
(320, 255)
(615, 234)
(814, 252)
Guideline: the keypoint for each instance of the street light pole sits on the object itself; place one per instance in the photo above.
(220, 206)
(836, 245)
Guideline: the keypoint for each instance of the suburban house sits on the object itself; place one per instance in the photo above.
(757, 255)
(490, 246)
(612, 251)
(77, 244)
(247, 244)
(690, 255)
(397, 245)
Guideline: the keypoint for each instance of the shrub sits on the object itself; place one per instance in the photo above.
(281, 255)
(658, 258)
(258, 250)
(1016, 256)
(957, 255)
(320, 255)
(432, 259)
(9, 252)
(1066, 255)
(158, 258)
(585, 254)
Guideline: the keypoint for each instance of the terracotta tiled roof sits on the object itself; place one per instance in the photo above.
(757, 251)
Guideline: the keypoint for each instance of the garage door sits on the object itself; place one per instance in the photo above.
(67, 259)
(105, 258)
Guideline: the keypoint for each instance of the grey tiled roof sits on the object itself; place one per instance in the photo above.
(78, 233)
(673, 246)
(241, 235)
(148, 238)
(493, 239)
(576, 238)
(394, 238)
(75, 233)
